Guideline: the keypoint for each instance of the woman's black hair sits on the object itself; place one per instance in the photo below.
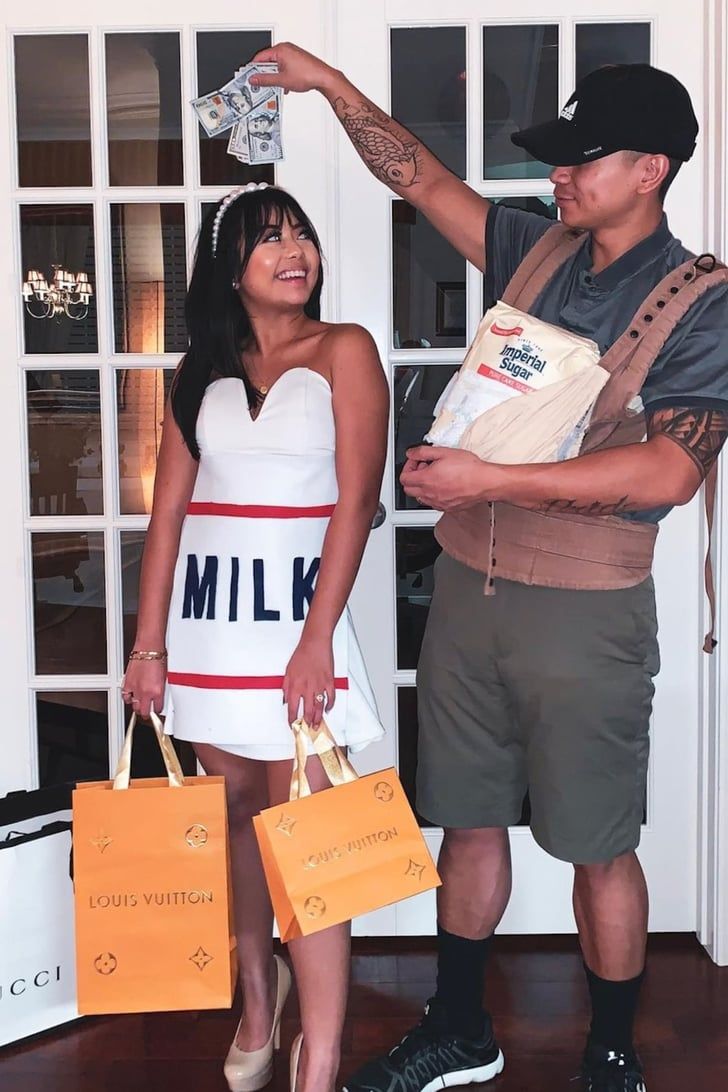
(218, 325)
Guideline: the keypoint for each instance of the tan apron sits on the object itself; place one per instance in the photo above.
(577, 551)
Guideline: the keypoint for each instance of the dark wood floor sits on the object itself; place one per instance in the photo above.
(536, 993)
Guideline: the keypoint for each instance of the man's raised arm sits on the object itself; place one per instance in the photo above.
(393, 154)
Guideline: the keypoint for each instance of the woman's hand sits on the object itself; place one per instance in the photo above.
(297, 69)
(310, 673)
(143, 685)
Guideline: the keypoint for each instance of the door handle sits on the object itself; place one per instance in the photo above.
(379, 516)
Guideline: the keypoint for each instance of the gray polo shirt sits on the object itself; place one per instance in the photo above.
(692, 369)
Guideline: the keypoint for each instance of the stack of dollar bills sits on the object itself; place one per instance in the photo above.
(253, 114)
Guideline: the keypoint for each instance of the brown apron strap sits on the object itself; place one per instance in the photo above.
(632, 355)
(710, 487)
(540, 264)
(657, 317)
(653, 323)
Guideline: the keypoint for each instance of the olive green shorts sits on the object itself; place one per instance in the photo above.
(539, 690)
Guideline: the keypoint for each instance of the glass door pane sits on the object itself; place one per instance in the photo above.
(598, 44)
(57, 241)
(520, 88)
(73, 736)
(53, 109)
(141, 396)
(69, 600)
(415, 391)
(64, 443)
(428, 284)
(144, 109)
(417, 551)
(429, 92)
(219, 54)
(149, 273)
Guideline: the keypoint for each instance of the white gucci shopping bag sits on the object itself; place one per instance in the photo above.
(37, 947)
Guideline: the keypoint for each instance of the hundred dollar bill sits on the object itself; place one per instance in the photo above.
(252, 96)
(220, 110)
(238, 142)
(265, 144)
(215, 112)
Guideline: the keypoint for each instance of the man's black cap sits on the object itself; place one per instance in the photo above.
(622, 107)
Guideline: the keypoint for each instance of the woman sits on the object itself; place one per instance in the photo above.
(268, 478)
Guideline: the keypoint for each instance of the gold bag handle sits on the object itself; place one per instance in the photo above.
(169, 755)
(336, 765)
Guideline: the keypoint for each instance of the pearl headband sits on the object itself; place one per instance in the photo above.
(252, 187)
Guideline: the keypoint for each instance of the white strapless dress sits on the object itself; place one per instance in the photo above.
(249, 554)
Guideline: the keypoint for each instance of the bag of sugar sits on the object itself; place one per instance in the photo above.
(551, 377)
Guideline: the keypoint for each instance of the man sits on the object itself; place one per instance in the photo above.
(565, 718)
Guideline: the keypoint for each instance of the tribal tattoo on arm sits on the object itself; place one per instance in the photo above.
(384, 145)
(700, 432)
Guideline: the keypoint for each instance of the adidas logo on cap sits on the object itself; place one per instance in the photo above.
(568, 112)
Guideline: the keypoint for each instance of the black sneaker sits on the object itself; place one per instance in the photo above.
(430, 1058)
(611, 1071)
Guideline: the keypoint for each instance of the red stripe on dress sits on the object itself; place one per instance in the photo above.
(236, 682)
(258, 511)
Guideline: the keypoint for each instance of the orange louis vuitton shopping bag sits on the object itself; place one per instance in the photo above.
(332, 855)
(151, 879)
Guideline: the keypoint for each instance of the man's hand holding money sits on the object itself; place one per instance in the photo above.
(251, 112)
(297, 69)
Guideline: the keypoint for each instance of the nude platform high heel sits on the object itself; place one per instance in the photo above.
(248, 1071)
(295, 1059)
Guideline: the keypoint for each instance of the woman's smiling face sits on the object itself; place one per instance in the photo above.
(283, 268)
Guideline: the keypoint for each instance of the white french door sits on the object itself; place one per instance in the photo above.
(104, 171)
(463, 81)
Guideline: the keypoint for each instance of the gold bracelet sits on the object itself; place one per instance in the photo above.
(136, 654)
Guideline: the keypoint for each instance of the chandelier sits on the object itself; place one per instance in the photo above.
(67, 294)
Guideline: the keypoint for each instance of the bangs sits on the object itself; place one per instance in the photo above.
(269, 208)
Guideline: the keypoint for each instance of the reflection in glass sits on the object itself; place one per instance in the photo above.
(417, 388)
(219, 54)
(144, 109)
(146, 760)
(416, 552)
(541, 206)
(69, 603)
(64, 443)
(149, 271)
(53, 109)
(429, 94)
(131, 545)
(141, 394)
(520, 88)
(59, 235)
(73, 736)
(428, 277)
(407, 733)
(598, 44)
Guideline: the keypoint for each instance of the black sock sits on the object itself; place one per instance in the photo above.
(614, 1005)
(460, 980)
